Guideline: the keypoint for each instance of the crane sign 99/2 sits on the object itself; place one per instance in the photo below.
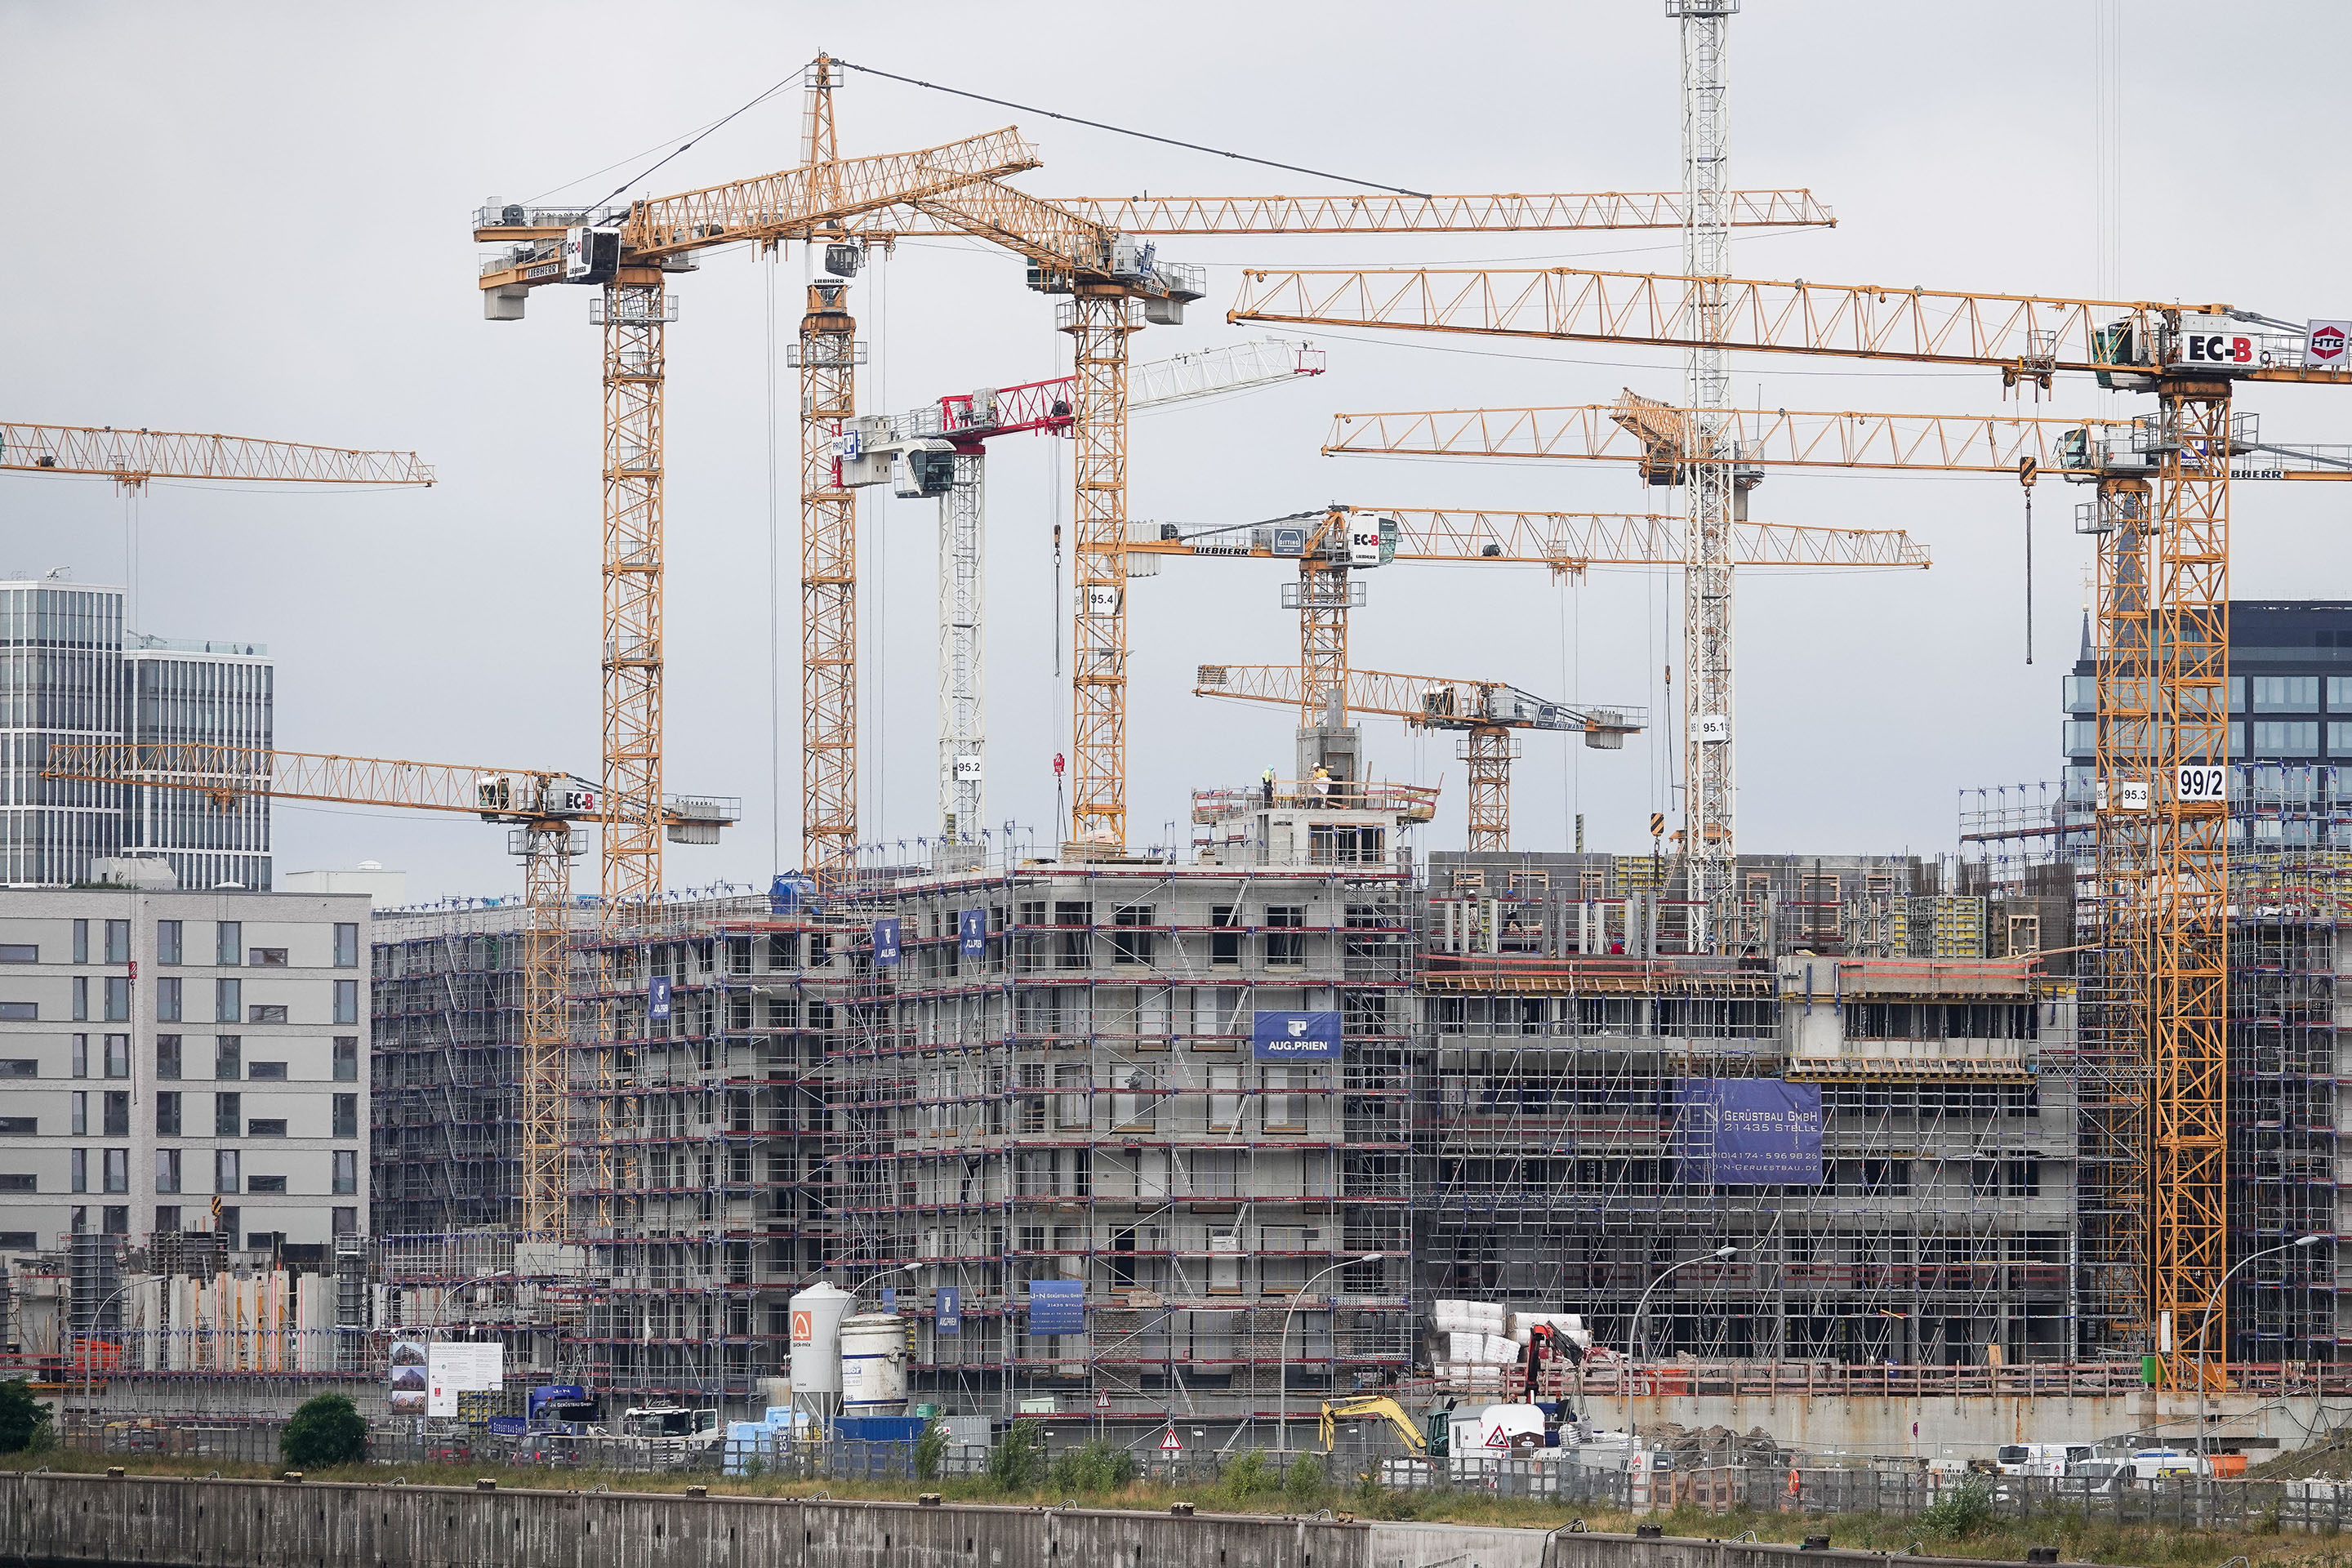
(2203, 783)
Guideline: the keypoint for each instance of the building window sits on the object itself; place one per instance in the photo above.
(2286, 694)
(167, 942)
(347, 1001)
(2080, 737)
(19, 1182)
(265, 1127)
(118, 941)
(118, 1170)
(167, 1115)
(264, 1183)
(346, 1170)
(1284, 945)
(266, 1013)
(1224, 941)
(19, 1126)
(267, 958)
(1283, 1111)
(116, 1110)
(2082, 694)
(118, 1056)
(228, 943)
(228, 1055)
(80, 1105)
(225, 1225)
(228, 1001)
(167, 1216)
(347, 946)
(167, 999)
(1127, 943)
(19, 1011)
(19, 953)
(81, 1056)
(81, 941)
(115, 1219)
(2286, 738)
(228, 1177)
(347, 1058)
(80, 1173)
(2339, 737)
(167, 1056)
(347, 1116)
(228, 1114)
(347, 1222)
(80, 997)
(259, 1070)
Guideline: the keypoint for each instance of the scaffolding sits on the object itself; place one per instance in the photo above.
(1056, 1081)
(1568, 1033)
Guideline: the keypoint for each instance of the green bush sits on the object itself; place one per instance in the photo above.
(24, 1420)
(1961, 1511)
(328, 1429)
(1017, 1463)
(1096, 1467)
(1303, 1482)
(1248, 1475)
(931, 1450)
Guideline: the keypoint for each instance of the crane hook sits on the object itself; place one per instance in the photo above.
(2027, 471)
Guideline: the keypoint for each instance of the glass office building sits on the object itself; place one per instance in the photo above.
(69, 674)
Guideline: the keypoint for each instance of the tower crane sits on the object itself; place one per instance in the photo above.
(544, 807)
(1484, 712)
(2163, 709)
(1087, 250)
(938, 451)
(1331, 544)
(131, 458)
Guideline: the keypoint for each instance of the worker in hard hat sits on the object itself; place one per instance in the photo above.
(1266, 783)
(1322, 785)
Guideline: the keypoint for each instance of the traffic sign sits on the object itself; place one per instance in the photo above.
(1169, 1444)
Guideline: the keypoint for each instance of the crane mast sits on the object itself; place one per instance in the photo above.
(1708, 489)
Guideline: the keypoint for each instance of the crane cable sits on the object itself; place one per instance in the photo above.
(1123, 131)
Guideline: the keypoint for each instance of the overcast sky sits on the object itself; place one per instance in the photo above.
(256, 219)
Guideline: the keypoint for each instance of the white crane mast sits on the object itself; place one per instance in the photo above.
(938, 450)
(1708, 480)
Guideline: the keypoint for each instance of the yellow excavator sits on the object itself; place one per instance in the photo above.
(1379, 1406)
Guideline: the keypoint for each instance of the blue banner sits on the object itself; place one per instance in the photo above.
(1295, 1037)
(947, 1312)
(886, 942)
(509, 1425)
(1058, 1306)
(1749, 1132)
(658, 999)
(971, 931)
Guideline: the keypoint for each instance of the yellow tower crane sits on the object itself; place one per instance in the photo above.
(1486, 713)
(1092, 250)
(2163, 708)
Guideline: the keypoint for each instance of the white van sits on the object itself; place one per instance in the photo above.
(2147, 1464)
(2039, 1459)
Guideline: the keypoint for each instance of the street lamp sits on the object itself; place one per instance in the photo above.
(1282, 1407)
(97, 1327)
(2205, 1335)
(1633, 1339)
(898, 1269)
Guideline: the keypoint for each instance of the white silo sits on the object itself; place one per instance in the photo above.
(873, 1364)
(816, 1314)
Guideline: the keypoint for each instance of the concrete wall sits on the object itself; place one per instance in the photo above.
(170, 1522)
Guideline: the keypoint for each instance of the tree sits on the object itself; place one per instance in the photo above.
(327, 1430)
(24, 1420)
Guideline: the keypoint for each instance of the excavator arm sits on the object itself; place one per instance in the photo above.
(1380, 1407)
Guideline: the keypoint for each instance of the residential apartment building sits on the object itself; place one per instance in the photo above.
(71, 674)
(182, 1062)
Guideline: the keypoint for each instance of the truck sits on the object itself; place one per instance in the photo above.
(672, 1436)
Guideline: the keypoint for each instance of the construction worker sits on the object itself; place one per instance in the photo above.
(1266, 783)
(1322, 785)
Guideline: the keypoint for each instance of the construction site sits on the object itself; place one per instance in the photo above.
(1350, 1095)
